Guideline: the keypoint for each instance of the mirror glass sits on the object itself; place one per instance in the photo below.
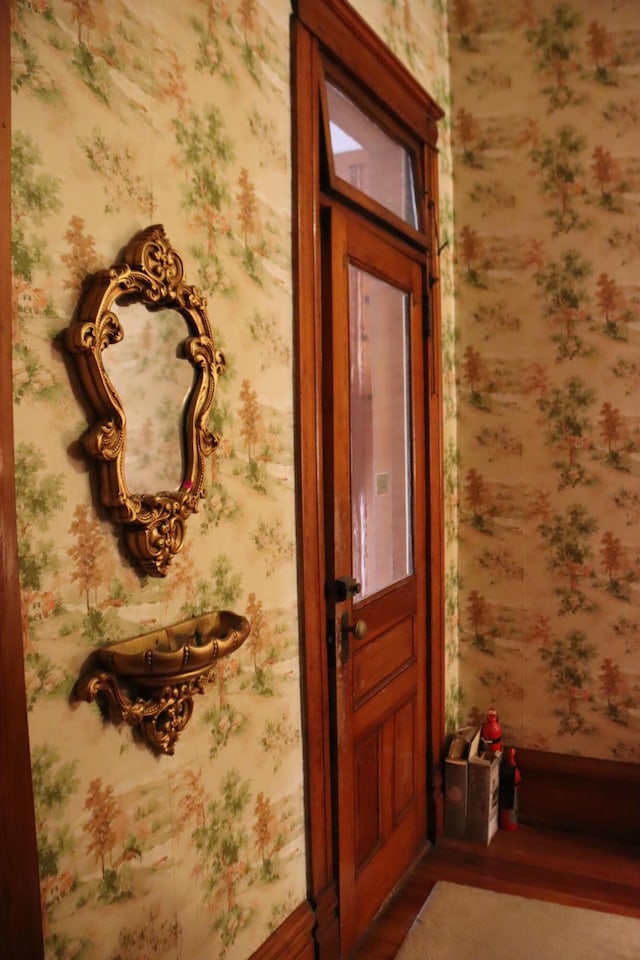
(153, 381)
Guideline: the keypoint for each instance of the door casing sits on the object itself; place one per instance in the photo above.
(333, 29)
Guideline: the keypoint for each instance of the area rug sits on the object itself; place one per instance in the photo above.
(460, 922)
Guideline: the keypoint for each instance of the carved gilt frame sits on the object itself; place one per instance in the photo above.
(150, 272)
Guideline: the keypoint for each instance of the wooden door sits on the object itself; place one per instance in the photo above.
(374, 428)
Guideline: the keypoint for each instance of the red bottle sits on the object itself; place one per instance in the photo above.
(510, 780)
(491, 734)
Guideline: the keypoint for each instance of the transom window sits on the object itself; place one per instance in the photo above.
(369, 159)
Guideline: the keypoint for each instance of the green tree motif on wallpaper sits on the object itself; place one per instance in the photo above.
(602, 51)
(492, 195)
(247, 207)
(501, 442)
(34, 197)
(565, 411)
(205, 152)
(40, 497)
(27, 71)
(450, 475)
(103, 828)
(266, 332)
(628, 371)
(116, 167)
(263, 653)
(469, 135)
(211, 56)
(275, 546)
(224, 720)
(625, 242)
(500, 565)
(398, 30)
(252, 432)
(219, 591)
(453, 704)
(218, 504)
(611, 301)
(466, 23)
(629, 752)
(606, 175)
(87, 553)
(266, 133)
(83, 14)
(628, 501)
(500, 684)
(557, 52)
(558, 160)
(452, 592)
(540, 506)
(93, 73)
(252, 50)
(614, 435)
(476, 494)
(82, 258)
(478, 617)
(221, 842)
(279, 738)
(616, 566)
(54, 782)
(151, 938)
(472, 255)
(565, 536)
(563, 285)
(474, 373)
(567, 663)
(269, 838)
(629, 631)
(612, 688)
(172, 85)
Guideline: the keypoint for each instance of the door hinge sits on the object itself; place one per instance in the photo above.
(426, 315)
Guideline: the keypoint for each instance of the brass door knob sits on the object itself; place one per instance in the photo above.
(359, 629)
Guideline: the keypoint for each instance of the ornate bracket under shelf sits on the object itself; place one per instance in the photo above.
(150, 681)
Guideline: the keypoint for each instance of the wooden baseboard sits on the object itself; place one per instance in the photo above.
(599, 798)
(293, 939)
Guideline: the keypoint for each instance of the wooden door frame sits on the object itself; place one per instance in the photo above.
(341, 33)
(20, 913)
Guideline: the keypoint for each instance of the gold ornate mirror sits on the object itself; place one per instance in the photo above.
(150, 406)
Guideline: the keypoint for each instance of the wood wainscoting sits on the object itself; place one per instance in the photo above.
(599, 798)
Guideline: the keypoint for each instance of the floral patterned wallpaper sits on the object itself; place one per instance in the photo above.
(127, 114)
(546, 101)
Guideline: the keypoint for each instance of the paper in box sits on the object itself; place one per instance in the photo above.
(483, 788)
(456, 767)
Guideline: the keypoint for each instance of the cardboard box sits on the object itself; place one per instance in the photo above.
(483, 787)
(456, 767)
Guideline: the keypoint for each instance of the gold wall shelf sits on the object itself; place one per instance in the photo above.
(150, 681)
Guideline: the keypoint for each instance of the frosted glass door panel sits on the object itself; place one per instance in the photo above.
(380, 432)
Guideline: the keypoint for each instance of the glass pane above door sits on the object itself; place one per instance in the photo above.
(366, 157)
(380, 432)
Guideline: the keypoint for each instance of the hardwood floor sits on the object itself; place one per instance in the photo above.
(531, 862)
